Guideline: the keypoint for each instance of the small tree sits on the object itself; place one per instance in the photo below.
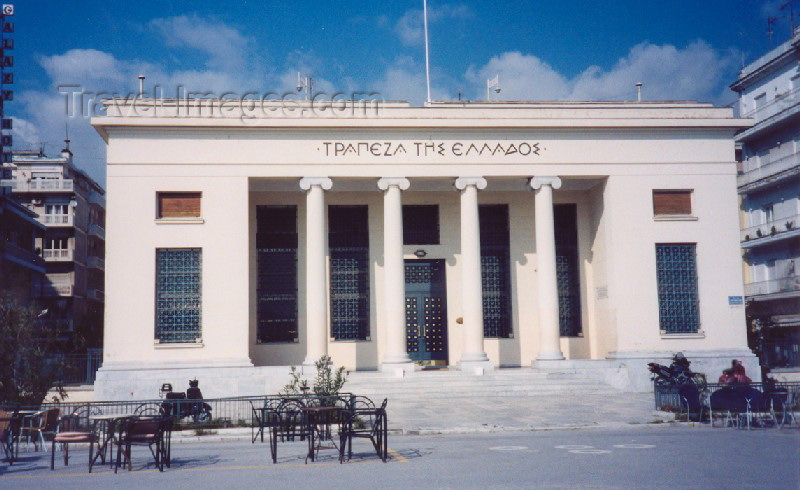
(327, 382)
(28, 367)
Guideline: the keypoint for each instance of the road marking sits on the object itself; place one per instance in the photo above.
(399, 457)
(634, 446)
(574, 446)
(589, 451)
(508, 448)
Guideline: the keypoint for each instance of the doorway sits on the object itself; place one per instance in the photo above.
(426, 311)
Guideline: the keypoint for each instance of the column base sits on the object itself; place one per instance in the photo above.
(476, 366)
(309, 366)
(398, 369)
(550, 356)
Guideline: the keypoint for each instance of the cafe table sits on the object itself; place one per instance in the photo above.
(109, 424)
(318, 423)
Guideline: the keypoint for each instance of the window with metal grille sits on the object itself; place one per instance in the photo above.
(178, 295)
(348, 242)
(678, 299)
(178, 204)
(568, 270)
(672, 202)
(421, 225)
(276, 288)
(495, 270)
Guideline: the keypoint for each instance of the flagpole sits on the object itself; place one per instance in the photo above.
(427, 62)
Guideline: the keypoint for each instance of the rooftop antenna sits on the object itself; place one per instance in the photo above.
(770, 30)
(304, 82)
(492, 83)
(427, 60)
(639, 92)
(67, 140)
(141, 85)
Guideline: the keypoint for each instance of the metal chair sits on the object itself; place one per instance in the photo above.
(74, 429)
(7, 436)
(365, 423)
(45, 423)
(152, 432)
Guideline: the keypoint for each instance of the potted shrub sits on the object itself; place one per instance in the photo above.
(759, 232)
(789, 225)
(773, 230)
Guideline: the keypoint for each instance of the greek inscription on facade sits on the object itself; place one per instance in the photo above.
(428, 149)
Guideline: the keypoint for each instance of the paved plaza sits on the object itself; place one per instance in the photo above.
(653, 456)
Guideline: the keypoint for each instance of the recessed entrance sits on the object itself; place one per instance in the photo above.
(426, 312)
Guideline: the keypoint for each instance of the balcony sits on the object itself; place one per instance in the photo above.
(95, 295)
(780, 103)
(97, 199)
(57, 255)
(770, 232)
(769, 172)
(38, 185)
(57, 220)
(94, 262)
(21, 256)
(97, 230)
(53, 289)
(782, 287)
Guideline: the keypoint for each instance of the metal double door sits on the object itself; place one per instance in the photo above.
(426, 311)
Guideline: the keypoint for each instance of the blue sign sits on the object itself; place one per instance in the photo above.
(735, 300)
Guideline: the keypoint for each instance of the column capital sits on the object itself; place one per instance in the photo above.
(401, 182)
(307, 182)
(536, 183)
(463, 182)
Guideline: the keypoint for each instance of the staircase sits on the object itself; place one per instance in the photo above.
(505, 399)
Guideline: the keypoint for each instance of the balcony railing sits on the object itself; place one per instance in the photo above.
(95, 262)
(95, 295)
(37, 185)
(771, 228)
(22, 255)
(768, 169)
(57, 219)
(57, 254)
(97, 230)
(786, 284)
(779, 103)
(54, 289)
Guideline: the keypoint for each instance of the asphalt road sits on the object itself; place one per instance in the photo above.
(645, 457)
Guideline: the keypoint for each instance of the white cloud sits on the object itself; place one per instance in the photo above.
(522, 77)
(225, 46)
(695, 72)
(410, 25)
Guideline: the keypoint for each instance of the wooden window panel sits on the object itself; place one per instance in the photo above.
(179, 204)
(672, 203)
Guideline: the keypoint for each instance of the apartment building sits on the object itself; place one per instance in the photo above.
(769, 190)
(71, 206)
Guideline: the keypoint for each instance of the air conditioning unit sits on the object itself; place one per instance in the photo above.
(36, 202)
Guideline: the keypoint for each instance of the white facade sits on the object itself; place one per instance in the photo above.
(606, 159)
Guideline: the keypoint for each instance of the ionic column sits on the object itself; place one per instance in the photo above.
(473, 355)
(395, 357)
(549, 336)
(316, 287)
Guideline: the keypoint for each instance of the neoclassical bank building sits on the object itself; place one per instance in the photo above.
(243, 240)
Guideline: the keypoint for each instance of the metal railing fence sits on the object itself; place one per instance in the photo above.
(232, 411)
(667, 398)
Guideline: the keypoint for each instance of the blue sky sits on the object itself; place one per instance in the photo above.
(542, 50)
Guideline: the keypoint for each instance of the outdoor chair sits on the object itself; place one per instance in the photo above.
(790, 406)
(45, 423)
(365, 423)
(74, 429)
(153, 432)
(690, 402)
(259, 420)
(7, 436)
(149, 409)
